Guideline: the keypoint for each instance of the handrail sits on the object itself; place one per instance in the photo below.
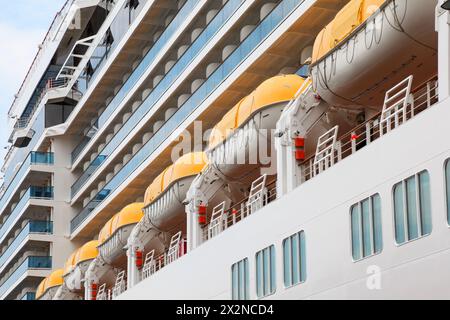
(32, 227)
(31, 159)
(425, 96)
(51, 84)
(59, 17)
(416, 90)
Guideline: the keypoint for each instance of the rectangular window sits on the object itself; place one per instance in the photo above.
(365, 218)
(294, 259)
(447, 184)
(412, 208)
(240, 280)
(265, 272)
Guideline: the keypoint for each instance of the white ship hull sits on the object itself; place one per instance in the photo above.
(321, 208)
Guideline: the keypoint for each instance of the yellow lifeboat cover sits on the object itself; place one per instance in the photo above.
(188, 165)
(41, 288)
(105, 232)
(87, 252)
(70, 262)
(277, 89)
(155, 188)
(131, 214)
(55, 279)
(226, 126)
(355, 13)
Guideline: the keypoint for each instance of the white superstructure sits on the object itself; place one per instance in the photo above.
(232, 149)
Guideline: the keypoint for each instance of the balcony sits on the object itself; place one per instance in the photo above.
(29, 296)
(33, 227)
(24, 129)
(237, 57)
(33, 159)
(28, 265)
(134, 77)
(183, 63)
(33, 193)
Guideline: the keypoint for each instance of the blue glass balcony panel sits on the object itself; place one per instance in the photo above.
(136, 75)
(251, 43)
(203, 39)
(29, 296)
(33, 227)
(43, 193)
(30, 263)
(33, 158)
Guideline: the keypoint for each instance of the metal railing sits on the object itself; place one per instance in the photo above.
(279, 14)
(32, 227)
(52, 84)
(176, 250)
(49, 37)
(261, 195)
(33, 158)
(103, 293)
(29, 263)
(39, 193)
(120, 285)
(394, 116)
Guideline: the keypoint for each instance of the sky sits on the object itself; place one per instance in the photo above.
(23, 25)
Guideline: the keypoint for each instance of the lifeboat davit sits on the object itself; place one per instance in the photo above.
(371, 46)
(164, 204)
(241, 144)
(112, 240)
(50, 285)
(74, 271)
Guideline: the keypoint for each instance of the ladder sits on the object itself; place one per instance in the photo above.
(398, 104)
(257, 195)
(218, 219)
(174, 248)
(325, 152)
(101, 295)
(120, 285)
(149, 265)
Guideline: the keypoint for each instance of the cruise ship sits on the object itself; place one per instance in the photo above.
(231, 150)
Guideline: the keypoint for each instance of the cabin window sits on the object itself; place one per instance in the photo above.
(412, 208)
(294, 259)
(265, 272)
(365, 217)
(447, 183)
(240, 280)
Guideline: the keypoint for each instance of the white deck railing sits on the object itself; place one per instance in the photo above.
(406, 106)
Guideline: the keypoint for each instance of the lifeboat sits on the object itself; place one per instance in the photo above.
(114, 235)
(241, 143)
(112, 240)
(164, 204)
(50, 285)
(74, 271)
(371, 46)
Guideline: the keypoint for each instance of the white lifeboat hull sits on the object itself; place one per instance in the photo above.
(112, 250)
(73, 280)
(395, 42)
(164, 217)
(242, 156)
